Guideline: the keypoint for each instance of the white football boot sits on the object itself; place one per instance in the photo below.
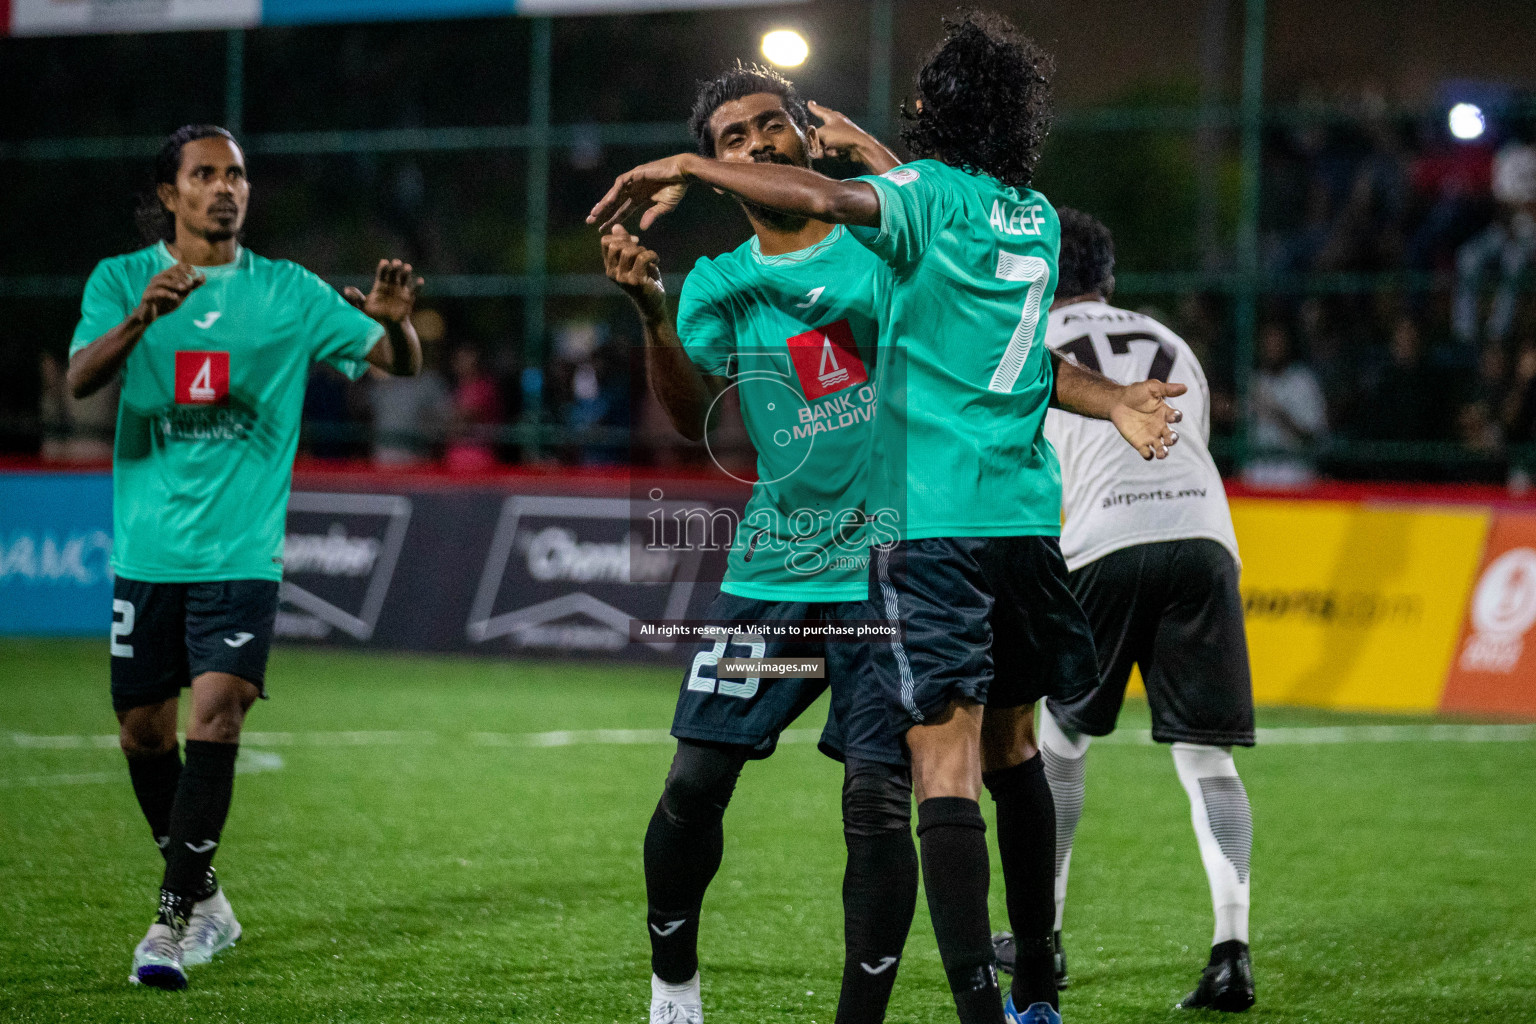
(157, 959)
(676, 1004)
(211, 929)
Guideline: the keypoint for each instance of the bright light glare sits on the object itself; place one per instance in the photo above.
(786, 48)
(1466, 121)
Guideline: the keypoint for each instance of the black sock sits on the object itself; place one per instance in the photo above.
(155, 777)
(683, 847)
(174, 909)
(197, 819)
(955, 874)
(1026, 844)
(879, 888)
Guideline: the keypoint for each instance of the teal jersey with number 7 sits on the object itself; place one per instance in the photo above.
(964, 376)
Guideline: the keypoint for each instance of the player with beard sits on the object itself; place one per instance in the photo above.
(788, 321)
(1153, 560)
(214, 345)
(964, 380)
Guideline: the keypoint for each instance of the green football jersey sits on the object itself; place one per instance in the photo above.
(964, 375)
(796, 336)
(208, 421)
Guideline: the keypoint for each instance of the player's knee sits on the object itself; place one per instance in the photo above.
(1007, 737)
(147, 730)
(1204, 759)
(877, 798)
(219, 704)
(946, 754)
(1060, 740)
(947, 773)
(220, 723)
(144, 736)
(700, 783)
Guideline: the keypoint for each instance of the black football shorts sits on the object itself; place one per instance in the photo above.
(985, 619)
(164, 635)
(752, 713)
(1174, 610)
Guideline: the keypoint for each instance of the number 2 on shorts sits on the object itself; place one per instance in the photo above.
(122, 626)
(1013, 267)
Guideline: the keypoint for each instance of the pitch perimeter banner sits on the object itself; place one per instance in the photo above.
(1353, 605)
(1381, 607)
(77, 17)
(1495, 665)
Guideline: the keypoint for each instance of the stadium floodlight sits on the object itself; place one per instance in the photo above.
(1467, 121)
(785, 47)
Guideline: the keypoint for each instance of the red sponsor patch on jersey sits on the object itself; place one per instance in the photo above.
(827, 359)
(202, 378)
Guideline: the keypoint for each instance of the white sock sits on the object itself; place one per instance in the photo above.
(687, 993)
(1223, 822)
(1063, 752)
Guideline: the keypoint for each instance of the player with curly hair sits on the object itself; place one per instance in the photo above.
(964, 380)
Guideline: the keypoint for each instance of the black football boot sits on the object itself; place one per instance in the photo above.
(1226, 984)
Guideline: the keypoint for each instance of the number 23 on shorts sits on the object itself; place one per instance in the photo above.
(745, 688)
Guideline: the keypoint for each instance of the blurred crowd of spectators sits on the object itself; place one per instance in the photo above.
(465, 412)
(1410, 349)
(1397, 339)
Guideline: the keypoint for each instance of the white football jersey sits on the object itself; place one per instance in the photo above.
(1113, 497)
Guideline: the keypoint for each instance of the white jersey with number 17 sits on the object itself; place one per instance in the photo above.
(1112, 497)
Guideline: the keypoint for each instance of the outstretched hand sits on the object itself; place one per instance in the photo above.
(653, 190)
(393, 296)
(1145, 420)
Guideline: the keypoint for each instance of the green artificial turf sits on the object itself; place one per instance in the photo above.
(391, 863)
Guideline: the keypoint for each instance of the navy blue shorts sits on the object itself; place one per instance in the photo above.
(751, 713)
(989, 620)
(164, 635)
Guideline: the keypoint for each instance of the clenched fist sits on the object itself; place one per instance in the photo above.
(167, 290)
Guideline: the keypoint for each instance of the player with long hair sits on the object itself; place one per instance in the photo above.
(214, 345)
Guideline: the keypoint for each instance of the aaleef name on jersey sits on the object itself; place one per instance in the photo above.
(1017, 220)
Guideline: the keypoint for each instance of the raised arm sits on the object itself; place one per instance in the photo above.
(94, 366)
(840, 137)
(685, 393)
(651, 191)
(1137, 410)
(391, 301)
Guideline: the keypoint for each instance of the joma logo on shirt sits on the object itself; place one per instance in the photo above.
(827, 359)
(202, 378)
